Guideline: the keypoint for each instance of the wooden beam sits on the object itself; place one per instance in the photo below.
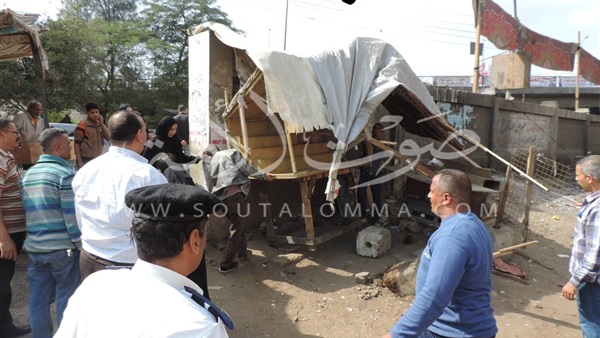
(358, 140)
(308, 218)
(509, 249)
(241, 104)
(464, 156)
(503, 198)
(298, 240)
(246, 152)
(419, 167)
(528, 191)
(509, 276)
(484, 148)
(290, 147)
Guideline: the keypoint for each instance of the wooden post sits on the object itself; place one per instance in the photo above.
(306, 209)
(290, 148)
(528, 191)
(477, 38)
(503, 198)
(419, 167)
(241, 104)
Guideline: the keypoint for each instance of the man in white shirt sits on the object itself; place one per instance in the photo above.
(154, 298)
(100, 188)
(29, 123)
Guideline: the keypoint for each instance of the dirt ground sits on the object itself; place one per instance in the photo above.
(314, 294)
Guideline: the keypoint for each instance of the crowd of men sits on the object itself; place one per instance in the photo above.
(77, 228)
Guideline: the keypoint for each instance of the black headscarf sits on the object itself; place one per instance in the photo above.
(162, 143)
(164, 126)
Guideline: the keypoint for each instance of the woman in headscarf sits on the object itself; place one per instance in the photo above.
(166, 141)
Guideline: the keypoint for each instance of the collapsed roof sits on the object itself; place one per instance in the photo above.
(340, 90)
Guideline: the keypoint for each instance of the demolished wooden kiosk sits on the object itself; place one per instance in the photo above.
(270, 145)
(296, 153)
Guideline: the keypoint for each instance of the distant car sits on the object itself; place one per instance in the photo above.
(69, 127)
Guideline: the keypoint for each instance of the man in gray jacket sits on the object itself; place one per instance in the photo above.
(229, 176)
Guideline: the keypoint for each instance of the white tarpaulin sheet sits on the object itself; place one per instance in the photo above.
(336, 89)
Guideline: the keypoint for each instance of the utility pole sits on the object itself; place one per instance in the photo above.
(477, 46)
(287, 3)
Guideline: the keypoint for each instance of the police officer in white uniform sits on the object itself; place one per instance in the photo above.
(154, 298)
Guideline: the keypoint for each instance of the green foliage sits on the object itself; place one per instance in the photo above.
(112, 52)
(54, 116)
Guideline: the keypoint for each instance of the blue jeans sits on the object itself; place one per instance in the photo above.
(588, 303)
(53, 274)
(429, 334)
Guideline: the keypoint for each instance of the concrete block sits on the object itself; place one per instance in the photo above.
(373, 242)
(218, 229)
(362, 277)
(401, 278)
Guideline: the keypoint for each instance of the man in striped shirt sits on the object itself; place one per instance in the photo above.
(53, 237)
(12, 225)
(585, 255)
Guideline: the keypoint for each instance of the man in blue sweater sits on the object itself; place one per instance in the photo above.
(454, 280)
(53, 237)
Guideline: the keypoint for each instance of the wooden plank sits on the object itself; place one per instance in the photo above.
(275, 152)
(286, 167)
(308, 218)
(419, 167)
(513, 247)
(298, 240)
(484, 148)
(528, 191)
(509, 276)
(254, 79)
(252, 110)
(254, 128)
(243, 125)
(274, 141)
(503, 198)
(290, 147)
(233, 143)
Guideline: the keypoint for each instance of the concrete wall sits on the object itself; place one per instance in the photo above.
(503, 125)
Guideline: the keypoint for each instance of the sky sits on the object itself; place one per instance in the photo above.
(432, 35)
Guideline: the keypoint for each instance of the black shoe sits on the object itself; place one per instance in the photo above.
(226, 269)
(245, 255)
(15, 331)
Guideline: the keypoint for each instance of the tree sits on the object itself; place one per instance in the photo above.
(17, 84)
(113, 52)
(73, 78)
(168, 23)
